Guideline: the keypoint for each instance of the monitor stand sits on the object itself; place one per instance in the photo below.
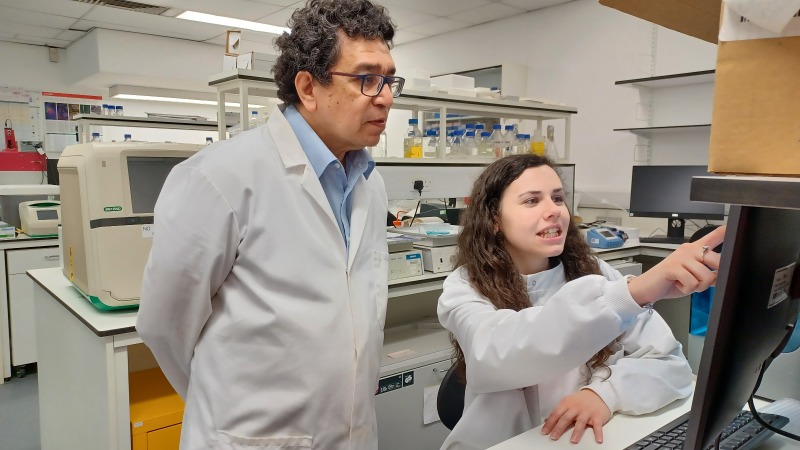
(675, 233)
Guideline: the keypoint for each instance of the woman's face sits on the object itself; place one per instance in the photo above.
(534, 219)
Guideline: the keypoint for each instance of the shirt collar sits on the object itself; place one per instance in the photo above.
(317, 152)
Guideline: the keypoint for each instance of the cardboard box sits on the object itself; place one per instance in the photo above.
(755, 124)
(698, 18)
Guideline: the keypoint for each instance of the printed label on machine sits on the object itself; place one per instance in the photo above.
(147, 231)
(395, 382)
(780, 285)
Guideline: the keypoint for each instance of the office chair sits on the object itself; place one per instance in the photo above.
(450, 400)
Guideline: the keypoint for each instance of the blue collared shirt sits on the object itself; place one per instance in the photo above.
(337, 181)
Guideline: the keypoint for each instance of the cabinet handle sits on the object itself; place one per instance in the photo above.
(51, 257)
(435, 370)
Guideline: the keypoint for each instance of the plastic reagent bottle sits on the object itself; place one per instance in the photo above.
(412, 143)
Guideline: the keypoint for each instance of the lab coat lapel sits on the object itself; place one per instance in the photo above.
(295, 160)
(362, 199)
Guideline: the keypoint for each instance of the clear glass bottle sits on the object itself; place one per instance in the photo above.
(379, 150)
(127, 137)
(209, 140)
(484, 146)
(520, 145)
(106, 109)
(479, 129)
(118, 110)
(550, 148)
(254, 120)
(509, 136)
(431, 144)
(412, 143)
(96, 137)
(496, 141)
(470, 146)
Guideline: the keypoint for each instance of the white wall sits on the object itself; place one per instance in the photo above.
(574, 53)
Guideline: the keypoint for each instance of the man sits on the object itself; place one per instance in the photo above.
(265, 294)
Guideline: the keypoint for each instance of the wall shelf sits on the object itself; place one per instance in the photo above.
(86, 121)
(647, 131)
(248, 82)
(678, 79)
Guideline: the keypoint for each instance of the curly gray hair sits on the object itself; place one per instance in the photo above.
(313, 44)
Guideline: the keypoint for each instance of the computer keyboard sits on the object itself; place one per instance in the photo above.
(742, 433)
(663, 240)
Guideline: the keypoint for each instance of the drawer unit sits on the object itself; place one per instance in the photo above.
(22, 321)
(18, 261)
(156, 411)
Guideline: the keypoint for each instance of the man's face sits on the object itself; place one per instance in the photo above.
(344, 118)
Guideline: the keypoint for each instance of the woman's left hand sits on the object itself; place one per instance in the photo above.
(581, 409)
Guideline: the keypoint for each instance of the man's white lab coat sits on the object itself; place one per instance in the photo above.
(254, 313)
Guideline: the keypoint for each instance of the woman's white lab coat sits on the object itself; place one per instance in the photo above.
(521, 364)
(265, 327)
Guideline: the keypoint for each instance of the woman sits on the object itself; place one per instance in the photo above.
(545, 331)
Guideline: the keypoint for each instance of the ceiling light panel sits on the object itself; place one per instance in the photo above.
(230, 22)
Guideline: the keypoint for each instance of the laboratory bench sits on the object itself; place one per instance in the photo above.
(93, 352)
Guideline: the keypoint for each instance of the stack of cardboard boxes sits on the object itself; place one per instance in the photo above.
(755, 125)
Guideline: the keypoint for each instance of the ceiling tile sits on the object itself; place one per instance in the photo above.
(442, 8)
(88, 25)
(255, 36)
(283, 3)
(29, 30)
(279, 18)
(238, 9)
(27, 17)
(404, 18)
(487, 13)
(116, 19)
(530, 5)
(66, 8)
(37, 41)
(404, 37)
(437, 26)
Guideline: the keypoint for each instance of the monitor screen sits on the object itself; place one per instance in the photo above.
(663, 191)
(47, 214)
(146, 176)
(755, 304)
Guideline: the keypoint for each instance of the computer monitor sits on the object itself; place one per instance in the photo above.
(663, 191)
(754, 308)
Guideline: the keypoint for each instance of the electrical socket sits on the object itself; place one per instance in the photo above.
(611, 220)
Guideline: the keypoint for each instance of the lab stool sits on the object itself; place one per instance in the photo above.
(156, 412)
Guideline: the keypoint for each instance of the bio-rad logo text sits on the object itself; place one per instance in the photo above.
(112, 208)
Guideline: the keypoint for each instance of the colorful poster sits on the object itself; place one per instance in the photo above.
(96, 109)
(50, 111)
(74, 110)
(62, 111)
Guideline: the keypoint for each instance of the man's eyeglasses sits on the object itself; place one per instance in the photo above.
(371, 83)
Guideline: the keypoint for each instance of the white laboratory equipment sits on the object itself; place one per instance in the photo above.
(108, 194)
(40, 218)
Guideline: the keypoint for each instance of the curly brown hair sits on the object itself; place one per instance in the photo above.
(313, 44)
(489, 266)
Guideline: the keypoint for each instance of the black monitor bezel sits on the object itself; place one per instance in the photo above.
(633, 211)
(742, 334)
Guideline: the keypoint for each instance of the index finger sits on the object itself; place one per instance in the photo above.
(714, 238)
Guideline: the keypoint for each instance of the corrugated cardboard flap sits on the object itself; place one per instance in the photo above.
(756, 119)
(698, 18)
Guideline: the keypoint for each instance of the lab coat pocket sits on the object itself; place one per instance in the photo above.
(380, 288)
(227, 441)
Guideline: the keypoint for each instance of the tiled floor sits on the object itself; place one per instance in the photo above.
(19, 414)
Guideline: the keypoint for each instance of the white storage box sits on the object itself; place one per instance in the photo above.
(453, 81)
(439, 259)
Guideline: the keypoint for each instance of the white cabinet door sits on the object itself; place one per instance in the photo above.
(400, 424)
(20, 299)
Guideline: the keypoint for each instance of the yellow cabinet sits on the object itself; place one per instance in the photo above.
(156, 411)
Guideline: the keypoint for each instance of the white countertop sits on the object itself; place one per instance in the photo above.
(102, 323)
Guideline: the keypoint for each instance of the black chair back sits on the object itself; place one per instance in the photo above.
(450, 400)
